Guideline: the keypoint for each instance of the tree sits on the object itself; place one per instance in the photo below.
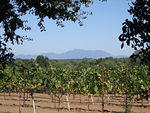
(11, 12)
(42, 61)
(136, 32)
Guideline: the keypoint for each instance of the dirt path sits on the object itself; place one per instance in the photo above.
(78, 104)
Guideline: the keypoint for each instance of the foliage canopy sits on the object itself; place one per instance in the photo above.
(11, 12)
(136, 32)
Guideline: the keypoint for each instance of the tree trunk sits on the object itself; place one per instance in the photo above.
(80, 98)
(24, 99)
(103, 103)
(88, 103)
(4, 97)
(19, 103)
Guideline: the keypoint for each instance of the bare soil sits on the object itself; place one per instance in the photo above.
(45, 103)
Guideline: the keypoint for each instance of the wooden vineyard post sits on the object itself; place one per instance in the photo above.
(102, 82)
(59, 101)
(90, 101)
(33, 103)
(68, 102)
(91, 97)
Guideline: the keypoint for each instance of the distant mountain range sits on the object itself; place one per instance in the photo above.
(72, 54)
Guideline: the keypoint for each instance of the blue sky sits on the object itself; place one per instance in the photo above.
(100, 32)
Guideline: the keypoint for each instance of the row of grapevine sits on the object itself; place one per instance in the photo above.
(30, 77)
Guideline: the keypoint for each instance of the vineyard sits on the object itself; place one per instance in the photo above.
(40, 87)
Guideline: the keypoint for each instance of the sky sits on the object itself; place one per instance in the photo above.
(99, 32)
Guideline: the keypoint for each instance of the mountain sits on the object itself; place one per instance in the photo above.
(72, 54)
(22, 56)
(122, 56)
